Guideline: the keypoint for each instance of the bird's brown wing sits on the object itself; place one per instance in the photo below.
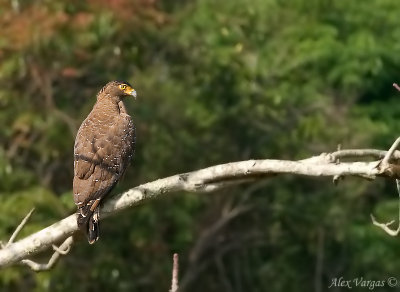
(102, 152)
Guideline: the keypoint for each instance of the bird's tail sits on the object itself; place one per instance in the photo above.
(88, 221)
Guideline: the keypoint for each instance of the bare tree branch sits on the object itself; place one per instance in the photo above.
(384, 163)
(19, 228)
(63, 249)
(207, 180)
(391, 151)
(386, 226)
(175, 273)
(351, 153)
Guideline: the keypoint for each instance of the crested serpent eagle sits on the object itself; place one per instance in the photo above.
(103, 149)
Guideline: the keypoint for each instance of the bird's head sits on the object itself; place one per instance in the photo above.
(118, 88)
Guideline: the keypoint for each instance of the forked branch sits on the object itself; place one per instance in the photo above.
(207, 180)
(61, 250)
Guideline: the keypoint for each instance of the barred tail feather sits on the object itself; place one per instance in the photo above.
(88, 222)
(93, 230)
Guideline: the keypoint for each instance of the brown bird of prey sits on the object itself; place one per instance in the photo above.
(103, 149)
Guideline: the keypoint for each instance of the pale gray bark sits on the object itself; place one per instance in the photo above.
(207, 180)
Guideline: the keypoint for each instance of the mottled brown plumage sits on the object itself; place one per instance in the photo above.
(103, 149)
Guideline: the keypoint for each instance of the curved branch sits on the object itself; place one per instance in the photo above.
(66, 245)
(204, 180)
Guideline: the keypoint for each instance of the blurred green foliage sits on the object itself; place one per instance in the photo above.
(218, 81)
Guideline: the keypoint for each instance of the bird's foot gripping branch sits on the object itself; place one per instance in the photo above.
(338, 164)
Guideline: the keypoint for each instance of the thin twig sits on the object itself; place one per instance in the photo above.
(353, 153)
(389, 154)
(19, 228)
(396, 86)
(385, 226)
(350, 153)
(60, 251)
(385, 164)
(63, 249)
(175, 272)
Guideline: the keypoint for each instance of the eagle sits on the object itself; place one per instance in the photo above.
(104, 146)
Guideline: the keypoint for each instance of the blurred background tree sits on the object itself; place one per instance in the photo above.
(218, 81)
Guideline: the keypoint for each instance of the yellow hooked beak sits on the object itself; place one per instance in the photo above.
(130, 91)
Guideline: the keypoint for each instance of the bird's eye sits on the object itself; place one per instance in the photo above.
(122, 86)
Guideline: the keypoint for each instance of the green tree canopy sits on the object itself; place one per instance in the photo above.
(218, 81)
